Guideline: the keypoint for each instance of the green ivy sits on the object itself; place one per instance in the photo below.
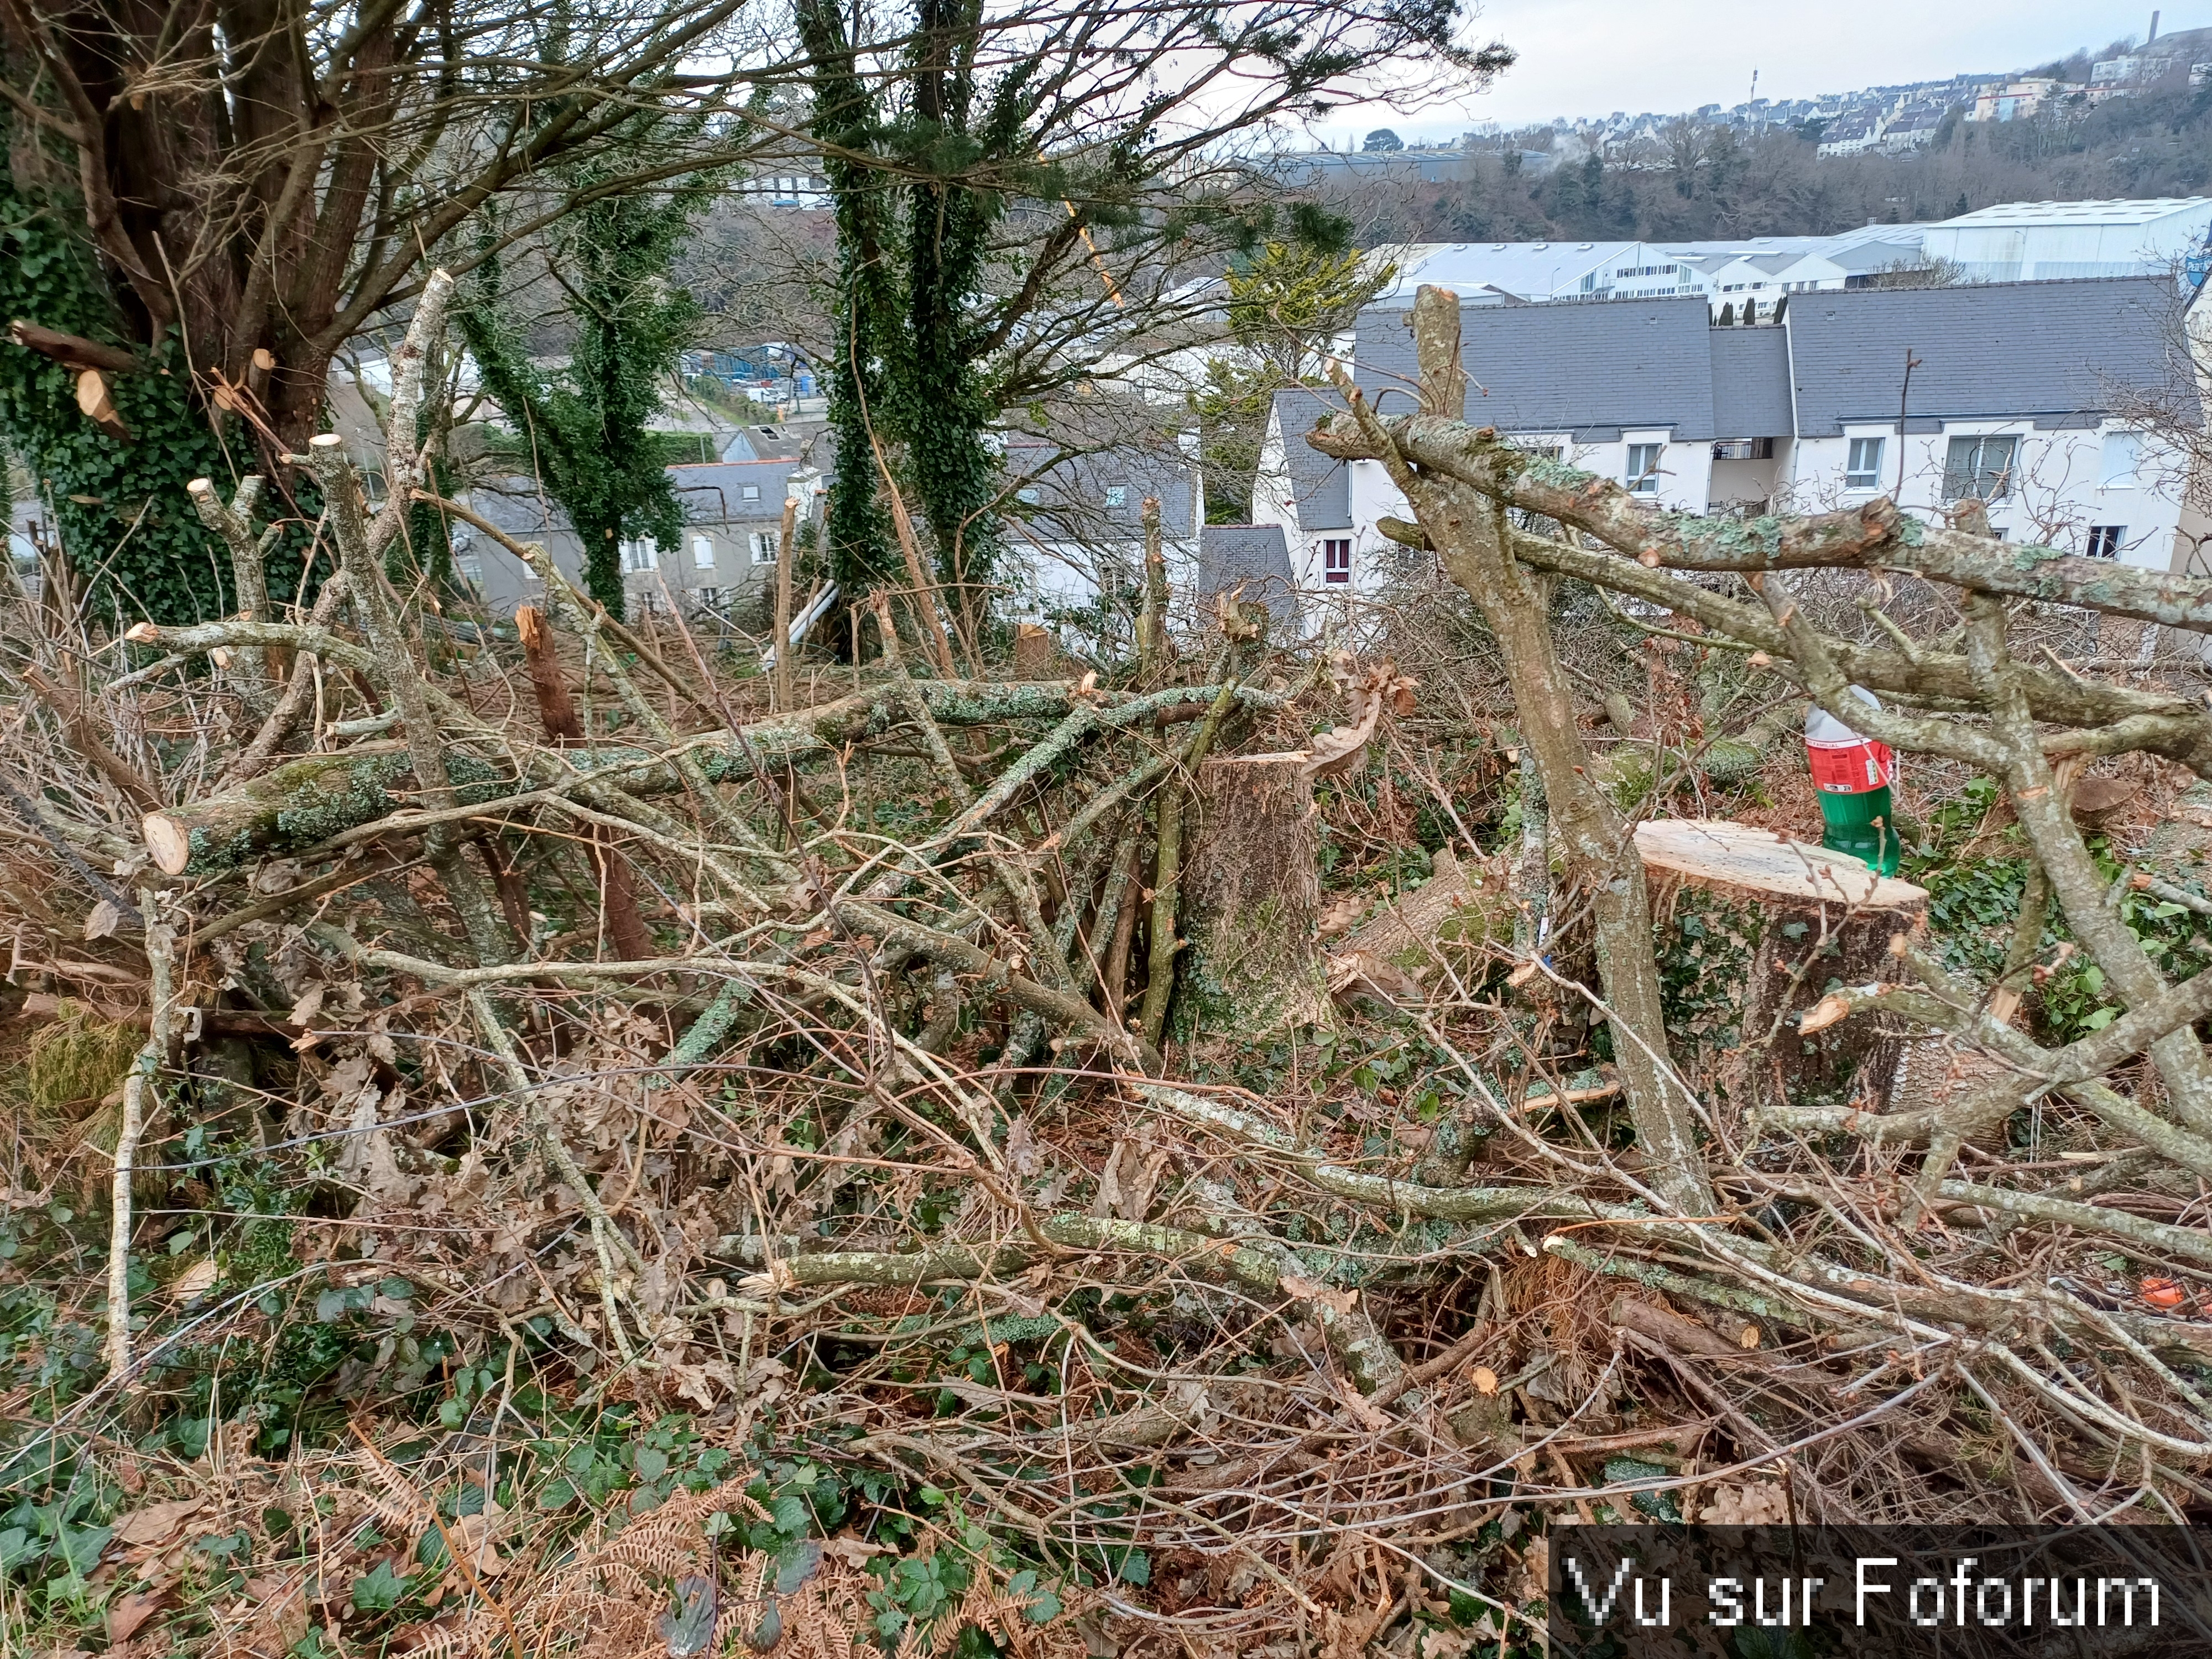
(913, 241)
(588, 428)
(125, 524)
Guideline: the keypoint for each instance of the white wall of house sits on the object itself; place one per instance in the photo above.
(2107, 492)
(1675, 477)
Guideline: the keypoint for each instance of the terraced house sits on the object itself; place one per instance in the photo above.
(2031, 396)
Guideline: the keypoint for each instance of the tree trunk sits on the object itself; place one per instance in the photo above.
(1251, 903)
(1473, 537)
(1752, 931)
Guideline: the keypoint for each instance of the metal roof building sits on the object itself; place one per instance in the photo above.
(2040, 241)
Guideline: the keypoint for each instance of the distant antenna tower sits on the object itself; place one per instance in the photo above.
(1754, 88)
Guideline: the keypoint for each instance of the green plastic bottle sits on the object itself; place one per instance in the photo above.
(1853, 776)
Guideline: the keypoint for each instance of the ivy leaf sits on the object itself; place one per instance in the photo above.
(688, 1627)
(379, 1591)
(797, 1565)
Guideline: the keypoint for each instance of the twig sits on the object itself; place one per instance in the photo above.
(144, 1070)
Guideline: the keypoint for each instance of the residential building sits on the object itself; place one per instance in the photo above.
(1914, 129)
(2010, 100)
(1074, 526)
(2017, 394)
(1852, 134)
(733, 517)
(733, 532)
(2037, 242)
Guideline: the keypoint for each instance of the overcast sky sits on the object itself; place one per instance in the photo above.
(1593, 56)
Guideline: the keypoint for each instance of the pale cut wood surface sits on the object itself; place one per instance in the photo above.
(1713, 853)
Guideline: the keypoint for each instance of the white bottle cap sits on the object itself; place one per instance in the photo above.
(1825, 729)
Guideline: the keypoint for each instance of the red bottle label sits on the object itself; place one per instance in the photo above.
(1852, 768)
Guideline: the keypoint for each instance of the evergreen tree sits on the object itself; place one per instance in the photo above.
(1728, 315)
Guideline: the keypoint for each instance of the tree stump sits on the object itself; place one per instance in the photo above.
(1752, 931)
(1251, 903)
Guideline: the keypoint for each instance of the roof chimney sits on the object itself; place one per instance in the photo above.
(2153, 28)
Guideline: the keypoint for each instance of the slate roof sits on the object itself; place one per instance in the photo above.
(519, 506)
(713, 492)
(1321, 489)
(1590, 370)
(1072, 502)
(2053, 352)
(1750, 382)
(1255, 555)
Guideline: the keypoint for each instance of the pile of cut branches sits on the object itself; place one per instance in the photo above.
(504, 1127)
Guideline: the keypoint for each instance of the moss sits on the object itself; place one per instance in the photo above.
(1729, 760)
(1233, 979)
(77, 1061)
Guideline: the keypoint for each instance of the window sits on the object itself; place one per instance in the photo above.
(1981, 467)
(702, 553)
(1030, 494)
(2105, 540)
(1644, 469)
(2123, 460)
(764, 546)
(1862, 470)
(1336, 561)
(1116, 494)
(750, 493)
(639, 554)
(710, 597)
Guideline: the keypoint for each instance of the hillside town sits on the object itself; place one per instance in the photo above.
(1882, 119)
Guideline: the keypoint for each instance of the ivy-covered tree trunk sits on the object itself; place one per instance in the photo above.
(590, 426)
(857, 529)
(912, 242)
(115, 494)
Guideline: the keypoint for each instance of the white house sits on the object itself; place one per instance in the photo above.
(2012, 399)
(1074, 526)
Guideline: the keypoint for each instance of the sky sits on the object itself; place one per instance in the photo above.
(1592, 57)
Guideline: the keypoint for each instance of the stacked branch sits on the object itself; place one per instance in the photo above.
(689, 1031)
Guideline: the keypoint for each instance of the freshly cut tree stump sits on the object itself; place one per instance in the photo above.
(1251, 904)
(1753, 929)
